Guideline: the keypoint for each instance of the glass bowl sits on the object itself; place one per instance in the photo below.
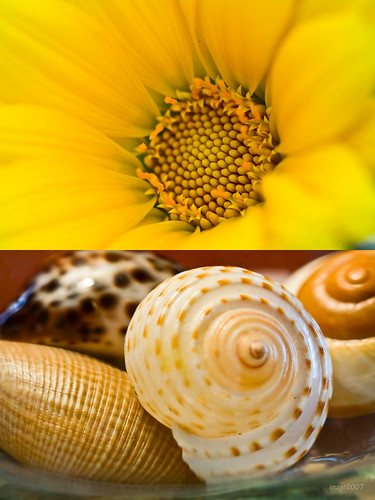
(341, 464)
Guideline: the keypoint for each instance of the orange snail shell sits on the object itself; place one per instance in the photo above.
(339, 291)
(234, 365)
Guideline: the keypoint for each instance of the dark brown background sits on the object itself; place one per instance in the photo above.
(17, 266)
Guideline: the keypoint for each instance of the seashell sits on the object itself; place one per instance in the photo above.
(70, 414)
(84, 300)
(234, 365)
(339, 291)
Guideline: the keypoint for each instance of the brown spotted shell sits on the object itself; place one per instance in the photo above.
(235, 366)
(67, 413)
(84, 300)
(339, 291)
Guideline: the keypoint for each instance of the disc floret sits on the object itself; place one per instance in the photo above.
(208, 154)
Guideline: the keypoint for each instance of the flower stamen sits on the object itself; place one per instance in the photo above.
(170, 100)
(142, 147)
(208, 154)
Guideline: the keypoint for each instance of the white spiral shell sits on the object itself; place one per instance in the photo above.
(234, 365)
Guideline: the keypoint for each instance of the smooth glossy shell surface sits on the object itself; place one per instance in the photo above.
(339, 291)
(235, 366)
(84, 300)
(66, 413)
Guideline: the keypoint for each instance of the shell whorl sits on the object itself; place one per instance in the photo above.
(340, 295)
(69, 414)
(339, 291)
(235, 366)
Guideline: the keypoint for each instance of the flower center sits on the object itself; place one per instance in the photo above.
(208, 154)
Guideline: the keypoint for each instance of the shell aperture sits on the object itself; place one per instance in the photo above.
(84, 300)
(339, 290)
(70, 414)
(235, 366)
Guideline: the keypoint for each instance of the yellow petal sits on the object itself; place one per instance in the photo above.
(238, 39)
(322, 199)
(314, 8)
(153, 37)
(155, 215)
(249, 232)
(52, 53)
(322, 78)
(362, 137)
(57, 203)
(166, 235)
(28, 131)
(96, 231)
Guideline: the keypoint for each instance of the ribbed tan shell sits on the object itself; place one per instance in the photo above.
(235, 366)
(343, 300)
(69, 414)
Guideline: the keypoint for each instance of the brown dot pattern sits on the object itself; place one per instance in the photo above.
(292, 451)
(276, 434)
(307, 391)
(84, 301)
(255, 446)
(309, 431)
(130, 308)
(320, 407)
(121, 279)
(297, 413)
(108, 301)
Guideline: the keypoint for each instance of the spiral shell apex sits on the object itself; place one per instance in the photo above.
(234, 365)
(339, 291)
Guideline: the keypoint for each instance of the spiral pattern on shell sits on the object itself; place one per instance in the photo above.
(235, 366)
(340, 295)
(339, 291)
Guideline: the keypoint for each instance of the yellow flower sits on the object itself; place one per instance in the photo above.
(187, 123)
